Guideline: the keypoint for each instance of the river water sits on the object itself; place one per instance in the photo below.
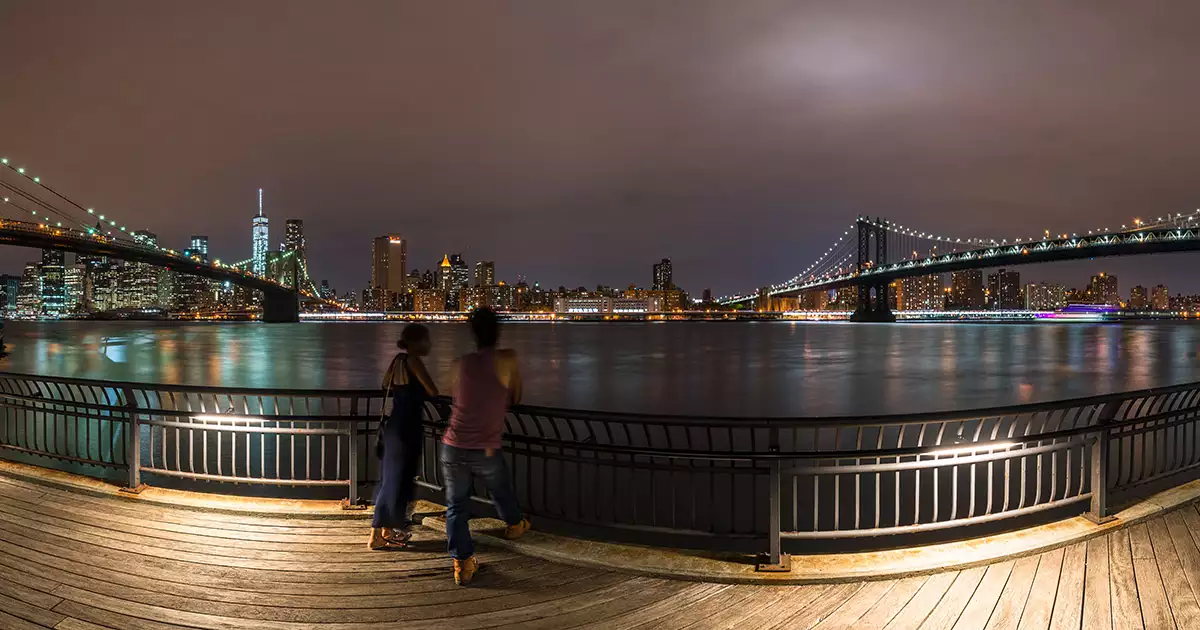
(743, 369)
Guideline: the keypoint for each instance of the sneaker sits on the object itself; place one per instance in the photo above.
(464, 570)
(513, 532)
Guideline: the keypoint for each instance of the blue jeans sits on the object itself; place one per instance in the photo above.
(459, 467)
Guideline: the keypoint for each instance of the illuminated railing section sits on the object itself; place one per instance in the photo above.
(679, 480)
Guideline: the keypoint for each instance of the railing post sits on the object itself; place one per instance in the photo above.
(133, 445)
(774, 561)
(1098, 512)
(352, 502)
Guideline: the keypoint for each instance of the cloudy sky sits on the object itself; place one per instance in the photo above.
(576, 142)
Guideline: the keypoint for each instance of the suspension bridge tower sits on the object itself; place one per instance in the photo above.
(872, 304)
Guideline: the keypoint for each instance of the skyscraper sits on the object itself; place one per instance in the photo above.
(1004, 290)
(53, 291)
(200, 246)
(1138, 298)
(966, 289)
(11, 286)
(921, 293)
(1103, 290)
(1045, 297)
(259, 240)
(389, 264)
(29, 292)
(145, 285)
(460, 271)
(663, 280)
(1160, 298)
(485, 273)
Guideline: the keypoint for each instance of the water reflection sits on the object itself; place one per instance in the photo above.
(785, 368)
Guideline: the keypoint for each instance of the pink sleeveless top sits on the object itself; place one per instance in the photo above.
(480, 403)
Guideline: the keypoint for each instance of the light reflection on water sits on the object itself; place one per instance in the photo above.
(779, 368)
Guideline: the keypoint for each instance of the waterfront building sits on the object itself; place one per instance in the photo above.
(1045, 297)
(349, 299)
(1004, 290)
(76, 289)
(485, 273)
(51, 271)
(429, 300)
(966, 290)
(1160, 298)
(476, 297)
(503, 296)
(845, 299)
(663, 275)
(809, 300)
(1138, 300)
(920, 293)
(259, 240)
(199, 246)
(29, 291)
(11, 287)
(1103, 290)
(389, 265)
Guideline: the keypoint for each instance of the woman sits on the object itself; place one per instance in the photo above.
(402, 437)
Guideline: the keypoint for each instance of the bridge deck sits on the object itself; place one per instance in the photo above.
(75, 561)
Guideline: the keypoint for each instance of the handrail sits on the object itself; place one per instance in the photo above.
(689, 478)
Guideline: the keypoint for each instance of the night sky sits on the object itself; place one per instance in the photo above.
(578, 141)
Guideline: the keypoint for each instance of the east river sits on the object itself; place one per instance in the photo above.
(768, 368)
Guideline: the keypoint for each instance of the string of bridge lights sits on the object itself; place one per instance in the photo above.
(91, 229)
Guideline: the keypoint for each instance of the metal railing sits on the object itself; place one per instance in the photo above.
(686, 481)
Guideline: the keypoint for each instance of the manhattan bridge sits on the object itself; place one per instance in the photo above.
(875, 252)
(33, 214)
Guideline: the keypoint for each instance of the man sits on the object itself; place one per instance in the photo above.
(488, 383)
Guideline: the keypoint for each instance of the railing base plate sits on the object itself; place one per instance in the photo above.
(353, 507)
(134, 490)
(764, 564)
(1099, 520)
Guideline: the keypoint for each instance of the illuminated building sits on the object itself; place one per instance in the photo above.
(1004, 290)
(966, 290)
(144, 285)
(920, 293)
(389, 265)
(29, 292)
(429, 300)
(846, 299)
(600, 305)
(1138, 298)
(199, 247)
(325, 291)
(459, 272)
(76, 289)
(1045, 297)
(11, 286)
(809, 300)
(1160, 298)
(476, 297)
(502, 297)
(259, 240)
(485, 273)
(53, 290)
(1103, 290)
(663, 276)
(445, 275)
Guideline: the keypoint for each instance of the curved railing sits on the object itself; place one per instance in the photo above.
(687, 481)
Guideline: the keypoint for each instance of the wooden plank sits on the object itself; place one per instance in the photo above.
(848, 614)
(570, 612)
(764, 597)
(110, 619)
(1126, 610)
(1068, 603)
(820, 608)
(1185, 545)
(616, 612)
(1156, 610)
(1040, 604)
(1184, 607)
(975, 616)
(1007, 613)
(29, 589)
(1097, 595)
(1139, 542)
(10, 622)
(795, 599)
(71, 623)
(29, 612)
(731, 596)
(648, 614)
(918, 608)
(882, 613)
(948, 610)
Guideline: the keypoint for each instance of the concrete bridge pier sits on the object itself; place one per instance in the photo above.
(280, 307)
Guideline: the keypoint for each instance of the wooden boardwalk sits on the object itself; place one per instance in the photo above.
(78, 562)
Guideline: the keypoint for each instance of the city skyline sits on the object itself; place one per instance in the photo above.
(772, 124)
